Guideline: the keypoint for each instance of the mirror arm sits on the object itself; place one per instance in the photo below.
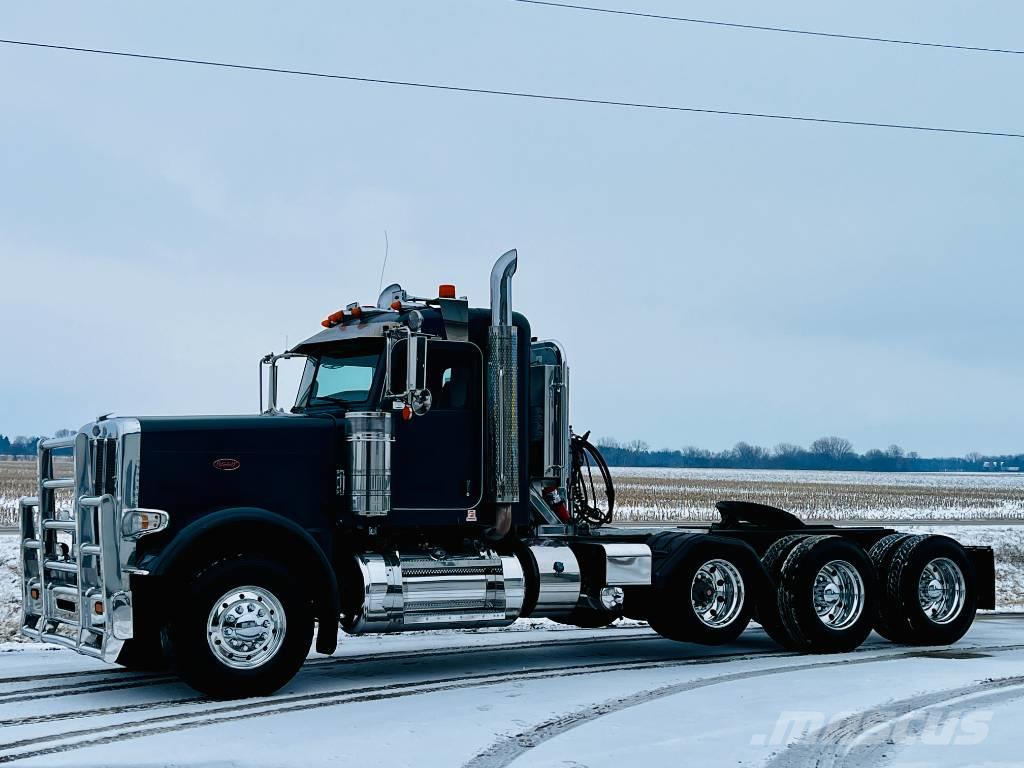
(411, 348)
(271, 360)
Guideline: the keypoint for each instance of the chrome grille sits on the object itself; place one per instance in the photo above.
(75, 563)
(104, 451)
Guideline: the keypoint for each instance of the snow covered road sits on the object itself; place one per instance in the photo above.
(537, 696)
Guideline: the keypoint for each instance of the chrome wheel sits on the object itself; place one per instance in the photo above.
(942, 590)
(717, 593)
(246, 627)
(838, 595)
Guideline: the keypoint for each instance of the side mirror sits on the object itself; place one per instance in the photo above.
(407, 370)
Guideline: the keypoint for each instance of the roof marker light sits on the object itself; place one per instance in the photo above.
(333, 319)
(446, 291)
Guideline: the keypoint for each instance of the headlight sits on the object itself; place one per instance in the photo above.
(139, 522)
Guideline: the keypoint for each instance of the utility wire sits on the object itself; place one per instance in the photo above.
(762, 28)
(514, 94)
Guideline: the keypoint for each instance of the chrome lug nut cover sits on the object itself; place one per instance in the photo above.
(236, 634)
(942, 590)
(717, 593)
(838, 595)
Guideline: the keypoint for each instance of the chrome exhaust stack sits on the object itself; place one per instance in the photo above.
(502, 396)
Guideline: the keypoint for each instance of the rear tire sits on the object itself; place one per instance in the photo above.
(244, 628)
(881, 554)
(930, 592)
(766, 612)
(708, 597)
(826, 596)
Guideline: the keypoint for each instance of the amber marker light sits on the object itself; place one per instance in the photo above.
(333, 319)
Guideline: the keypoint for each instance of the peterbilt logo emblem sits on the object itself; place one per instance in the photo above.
(227, 464)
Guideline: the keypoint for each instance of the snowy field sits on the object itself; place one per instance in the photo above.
(666, 495)
(542, 697)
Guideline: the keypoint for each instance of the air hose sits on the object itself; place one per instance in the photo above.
(586, 503)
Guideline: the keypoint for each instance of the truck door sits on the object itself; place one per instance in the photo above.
(437, 458)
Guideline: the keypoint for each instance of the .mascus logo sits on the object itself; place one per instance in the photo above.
(227, 464)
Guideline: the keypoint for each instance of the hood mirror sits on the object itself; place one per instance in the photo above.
(420, 401)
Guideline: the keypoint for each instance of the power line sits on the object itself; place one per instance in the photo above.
(762, 28)
(514, 94)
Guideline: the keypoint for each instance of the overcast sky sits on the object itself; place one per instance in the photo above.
(714, 279)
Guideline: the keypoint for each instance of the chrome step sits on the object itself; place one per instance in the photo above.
(60, 525)
(60, 565)
(68, 593)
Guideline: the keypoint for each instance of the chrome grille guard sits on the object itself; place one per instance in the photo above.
(76, 563)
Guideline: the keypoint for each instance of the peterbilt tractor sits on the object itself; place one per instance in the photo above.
(426, 477)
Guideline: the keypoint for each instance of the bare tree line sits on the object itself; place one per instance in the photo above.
(830, 453)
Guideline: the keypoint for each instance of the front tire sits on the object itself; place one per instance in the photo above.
(143, 653)
(244, 629)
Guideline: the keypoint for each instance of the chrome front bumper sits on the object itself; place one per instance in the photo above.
(76, 561)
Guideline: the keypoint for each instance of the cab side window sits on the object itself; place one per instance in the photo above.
(452, 376)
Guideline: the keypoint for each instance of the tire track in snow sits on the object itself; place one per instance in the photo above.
(281, 704)
(124, 678)
(509, 748)
(300, 702)
(861, 739)
(173, 702)
(121, 679)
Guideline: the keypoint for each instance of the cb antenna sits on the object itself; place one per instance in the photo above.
(380, 283)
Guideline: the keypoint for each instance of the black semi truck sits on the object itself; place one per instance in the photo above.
(426, 477)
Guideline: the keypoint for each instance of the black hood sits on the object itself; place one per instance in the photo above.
(194, 465)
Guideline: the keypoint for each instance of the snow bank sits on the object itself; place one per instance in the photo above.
(10, 588)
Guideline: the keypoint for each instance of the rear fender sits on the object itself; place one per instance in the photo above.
(669, 548)
(984, 561)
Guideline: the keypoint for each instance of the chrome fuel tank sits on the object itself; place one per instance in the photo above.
(436, 590)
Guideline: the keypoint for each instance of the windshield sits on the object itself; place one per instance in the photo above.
(344, 376)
